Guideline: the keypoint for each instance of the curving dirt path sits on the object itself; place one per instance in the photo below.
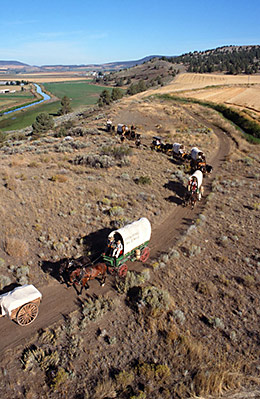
(59, 301)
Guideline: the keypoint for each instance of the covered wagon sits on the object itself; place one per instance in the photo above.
(198, 161)
(157, 143)
(197, 177)
(194, 189)
(21, 304)
(196, 154)
(133, 242)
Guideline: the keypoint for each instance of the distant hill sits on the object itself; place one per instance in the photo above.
(228, 59)
(112, 66)
(107, 66)
(225, 59)
(12, 63)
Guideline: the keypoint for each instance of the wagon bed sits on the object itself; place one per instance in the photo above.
(21, 304)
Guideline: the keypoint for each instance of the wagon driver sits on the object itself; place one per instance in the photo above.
(110, 246)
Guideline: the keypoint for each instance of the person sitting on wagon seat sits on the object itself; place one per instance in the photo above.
(118, 249)
(110, 246)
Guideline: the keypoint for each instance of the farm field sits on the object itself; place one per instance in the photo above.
(21, 119)
(239, 91)
(81, 93)
(43, 77)
(9, 100)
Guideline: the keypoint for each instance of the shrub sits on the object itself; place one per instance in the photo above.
(22, 274)
(62, 132)
(2, 138)
(59, 178)
(124, 379)
(118, 152)
(133, 279)
(116, 211)
(155, 298)
(93, 309)
(60, 377)
(4, 281)
(104, 389)
(154, 373)
(94, 160)
(143, 180)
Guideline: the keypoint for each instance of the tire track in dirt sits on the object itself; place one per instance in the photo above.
(59, 301)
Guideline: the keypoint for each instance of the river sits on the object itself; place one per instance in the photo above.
(39, 90)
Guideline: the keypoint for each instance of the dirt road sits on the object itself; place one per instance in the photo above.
(59, 301)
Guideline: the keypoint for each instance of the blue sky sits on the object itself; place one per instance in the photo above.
(84, 32)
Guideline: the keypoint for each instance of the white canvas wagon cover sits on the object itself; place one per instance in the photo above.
(176, 147)
(199, 176)
(194, 153)
(18, 297)
(134, 234)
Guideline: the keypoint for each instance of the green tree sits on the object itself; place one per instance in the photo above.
(65, 105)
(141, 86)
(104, 98)
(42, 124)
(116, 94)
(132, 89)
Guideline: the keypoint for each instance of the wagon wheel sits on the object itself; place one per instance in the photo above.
(111, 270)
(122, 271)
(27, 314)
(145, 254)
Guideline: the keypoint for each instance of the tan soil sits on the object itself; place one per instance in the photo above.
(32, 206)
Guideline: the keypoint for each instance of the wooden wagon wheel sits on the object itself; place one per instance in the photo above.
(145, 254)
(27, 314)
(111, 270)
(122, 271)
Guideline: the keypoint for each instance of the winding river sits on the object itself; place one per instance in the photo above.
(39, 90)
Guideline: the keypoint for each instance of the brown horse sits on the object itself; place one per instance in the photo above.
(67, 265)
(81, 276)
(191, 198)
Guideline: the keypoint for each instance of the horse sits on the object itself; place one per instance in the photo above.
(204, 168)
(69, 264)
(81, 276)
(190, 198)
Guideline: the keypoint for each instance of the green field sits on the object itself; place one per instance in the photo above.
(21, 119)
(81, 94)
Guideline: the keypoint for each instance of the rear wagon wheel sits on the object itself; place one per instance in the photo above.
(27, 314)
(145, 254)
(122, 271)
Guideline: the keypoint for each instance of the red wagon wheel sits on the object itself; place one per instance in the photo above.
(27, 314)
(122, 271)
(111, 270)
(145, 254)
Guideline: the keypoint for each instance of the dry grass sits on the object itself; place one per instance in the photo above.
(16, 247)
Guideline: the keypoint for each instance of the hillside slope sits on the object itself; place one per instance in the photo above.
(184, 324)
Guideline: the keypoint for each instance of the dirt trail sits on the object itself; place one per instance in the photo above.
(59, 301)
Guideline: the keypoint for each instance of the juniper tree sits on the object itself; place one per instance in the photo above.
(42, 124)
(65, 105)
